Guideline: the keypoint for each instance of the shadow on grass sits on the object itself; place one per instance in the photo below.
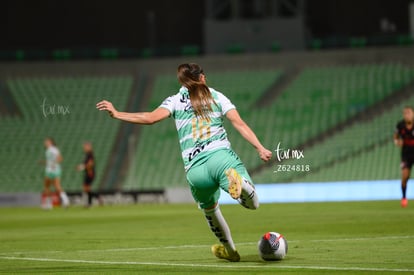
(256, 259)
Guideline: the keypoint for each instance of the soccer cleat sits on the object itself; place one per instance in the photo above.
(220, 252)
(404, 202)
(235, 183)
(65, 203)
(47, 204)
(64, 200)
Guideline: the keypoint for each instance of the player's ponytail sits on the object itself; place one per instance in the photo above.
(200, 96)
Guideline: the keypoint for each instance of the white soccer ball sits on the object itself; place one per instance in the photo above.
(272, 246)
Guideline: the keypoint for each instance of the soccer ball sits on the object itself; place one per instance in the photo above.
(272, 246)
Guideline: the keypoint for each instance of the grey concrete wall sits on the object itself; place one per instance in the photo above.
(19, 199)
(254, 35)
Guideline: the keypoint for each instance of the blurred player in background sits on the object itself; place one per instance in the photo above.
(88, 166)
(52, 174)
(209, 161)
(404, 138)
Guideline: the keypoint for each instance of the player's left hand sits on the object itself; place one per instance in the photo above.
(265, 154)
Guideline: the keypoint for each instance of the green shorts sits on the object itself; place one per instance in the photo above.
(207, 178)
(53, 175)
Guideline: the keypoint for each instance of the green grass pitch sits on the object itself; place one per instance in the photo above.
(324, 238)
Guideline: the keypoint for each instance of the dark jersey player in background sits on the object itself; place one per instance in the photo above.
(404, 138)
(88, 166)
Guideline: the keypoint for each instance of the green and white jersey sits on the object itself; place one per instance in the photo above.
(198, 136)
(52, 164)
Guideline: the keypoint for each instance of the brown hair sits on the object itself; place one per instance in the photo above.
(52, 140)
(188, 75)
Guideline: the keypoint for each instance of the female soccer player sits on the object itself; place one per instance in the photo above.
(209, 161)
(404, 138)
(88, 166)
(52, 173)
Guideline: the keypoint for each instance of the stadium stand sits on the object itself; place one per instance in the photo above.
(63, 108)
(317, 100)
(372, 156)
(362, 151)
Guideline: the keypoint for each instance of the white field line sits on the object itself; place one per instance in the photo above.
(233, 266)
(205, 245)
(366, 239)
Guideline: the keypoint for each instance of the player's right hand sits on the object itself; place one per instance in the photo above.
(399, 142)
(105, 105)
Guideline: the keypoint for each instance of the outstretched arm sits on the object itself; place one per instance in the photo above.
(139, 118)
(248, 134)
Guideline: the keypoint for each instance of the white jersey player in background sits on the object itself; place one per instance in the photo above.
(53, 172)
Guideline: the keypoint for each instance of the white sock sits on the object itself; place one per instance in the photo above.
(64, 198)
(220, 228)
(248, 197)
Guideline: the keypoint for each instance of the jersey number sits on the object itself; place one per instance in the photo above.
(201, 129)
